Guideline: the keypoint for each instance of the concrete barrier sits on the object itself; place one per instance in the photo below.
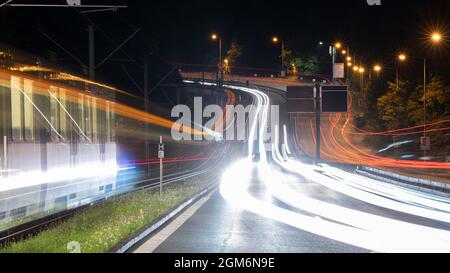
(406, 181)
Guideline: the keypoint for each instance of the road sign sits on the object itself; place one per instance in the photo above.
(300, 99)
(425, 143)
(338, 71)
(300, 92)
(161, 151)
(334, 99)
(161, 167)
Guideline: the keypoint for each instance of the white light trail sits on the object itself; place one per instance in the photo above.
(349, 226)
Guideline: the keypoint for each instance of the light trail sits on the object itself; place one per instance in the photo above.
(349, 226)
(72, 95)
(349, 153)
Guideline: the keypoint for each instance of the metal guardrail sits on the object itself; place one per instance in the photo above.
(411, 182)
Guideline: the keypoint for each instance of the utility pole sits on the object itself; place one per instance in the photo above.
(77, 5)
(424, 103)
(91, 52)
(161, 167)
(220, 62)
(317, 112)
(146, 109)
(282, 58)
(333, 61)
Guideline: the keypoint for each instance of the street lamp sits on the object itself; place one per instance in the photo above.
(402, 58)
(276, 40)
(216, 37)
(361, 71)
(435, 38)
(377, 68)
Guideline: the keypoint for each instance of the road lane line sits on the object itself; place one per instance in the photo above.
(156, 240)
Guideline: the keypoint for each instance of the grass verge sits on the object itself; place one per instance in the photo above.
(99, 228)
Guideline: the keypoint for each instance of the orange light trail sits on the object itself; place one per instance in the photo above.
(41, 87)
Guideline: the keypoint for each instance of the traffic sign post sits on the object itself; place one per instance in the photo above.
(161, 157)
(318, 110)
(317, 100)
(425, 143)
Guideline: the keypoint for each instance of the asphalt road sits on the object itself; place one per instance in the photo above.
(220, 226)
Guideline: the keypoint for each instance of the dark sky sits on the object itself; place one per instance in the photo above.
(178, 31)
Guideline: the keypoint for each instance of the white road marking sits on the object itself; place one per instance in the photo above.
(156, 240)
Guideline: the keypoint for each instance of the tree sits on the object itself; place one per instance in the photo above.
(306, 65)
(437, 102)
(310, 65)
(287, 57)
(437, 108)
(393, 106)
(232, 56)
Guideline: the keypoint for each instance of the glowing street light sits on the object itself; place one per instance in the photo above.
(349, 59)
(361, 70)
(402, 58)
(356, 68)
(344, 52)
(349, 64)
(377, 68)
(216, 37)
(276, 40)
(436, 37)
(338, 45)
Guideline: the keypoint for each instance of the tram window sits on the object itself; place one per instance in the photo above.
(28, 110)
(108, 188)
(62, 113)
(81, 113)
(54, 111)
(95, 121)
(88, 117)
(16, 109)
(109, 118)
(18, 213)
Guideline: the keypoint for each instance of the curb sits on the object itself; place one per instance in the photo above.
(143, 233)
(436, 188)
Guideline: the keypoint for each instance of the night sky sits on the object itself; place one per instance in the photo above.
(178, 31)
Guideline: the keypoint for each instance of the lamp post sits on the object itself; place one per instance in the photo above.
(361, 71)
(275, 40)
(377, 68)
(216, 37)
(401, 58)
(435, 38)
